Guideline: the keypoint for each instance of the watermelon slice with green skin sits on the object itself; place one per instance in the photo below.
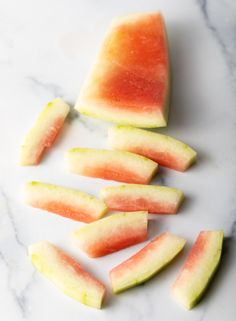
(132, 197)
(165, 150)
(111, 234)
(147, 262)
(67, 202)
(129, 83)
(111, 165)
(44, 132)
(199, 268)
(66, 274)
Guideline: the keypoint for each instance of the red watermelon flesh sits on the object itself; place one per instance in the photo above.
(146, 263)
(129, 83)
(132, 197)
(111, 234)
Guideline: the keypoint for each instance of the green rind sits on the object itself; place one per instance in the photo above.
(144, 187)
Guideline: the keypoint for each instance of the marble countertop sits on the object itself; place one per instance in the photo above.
(46, 48)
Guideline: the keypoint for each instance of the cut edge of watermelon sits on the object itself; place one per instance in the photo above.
(66, 274)
(67, 202)
(44, 131)
(143, 255)
(163, 199)
(122, 117)
(200, 254)
(152, 145)
(116, 115)
(125, 229)
(114, 165)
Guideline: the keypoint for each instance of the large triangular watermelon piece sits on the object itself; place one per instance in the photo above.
(129, 83)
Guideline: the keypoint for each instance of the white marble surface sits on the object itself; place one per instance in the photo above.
(46, 48)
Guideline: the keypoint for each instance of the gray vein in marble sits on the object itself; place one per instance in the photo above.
(19, 299)
(92, 127)
(57, 91)
(233, 226)
(215, 30)
(203, 315)
(52, 88)
(19, 296)
(11, 219)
